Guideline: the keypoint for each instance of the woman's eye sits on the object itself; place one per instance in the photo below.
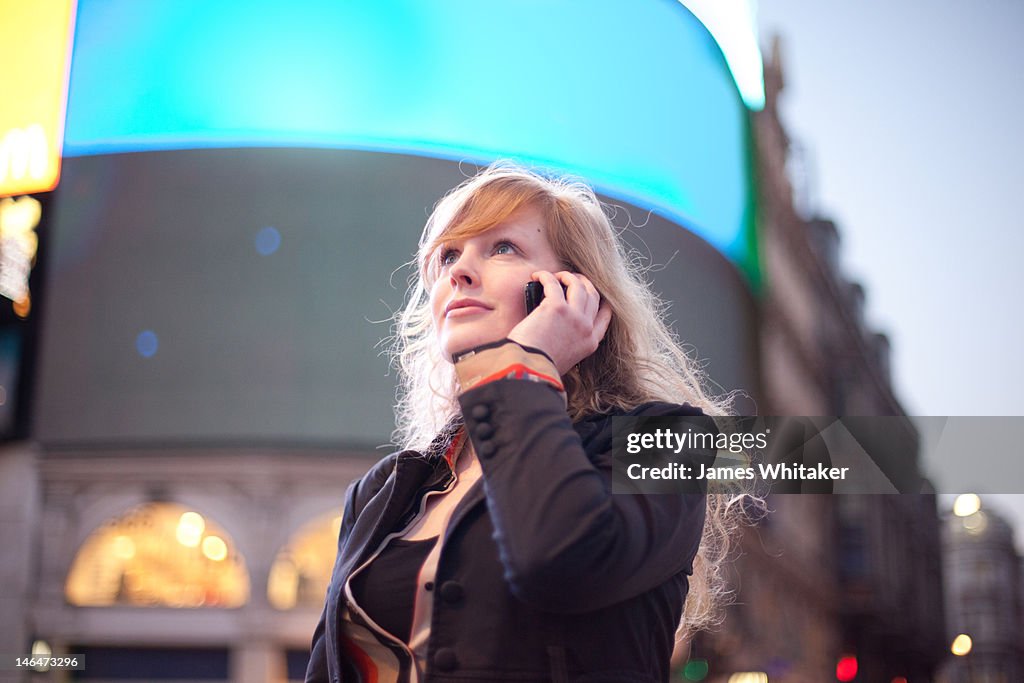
(448, 257)
(504, 248)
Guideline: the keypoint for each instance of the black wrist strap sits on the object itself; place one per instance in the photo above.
(462, 355)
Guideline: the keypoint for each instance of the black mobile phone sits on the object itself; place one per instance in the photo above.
(534, 293)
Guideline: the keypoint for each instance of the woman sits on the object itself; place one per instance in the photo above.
(491, 547)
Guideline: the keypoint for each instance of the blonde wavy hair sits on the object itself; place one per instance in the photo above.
(639, 360)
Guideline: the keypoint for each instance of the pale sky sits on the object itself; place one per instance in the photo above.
(909, 113)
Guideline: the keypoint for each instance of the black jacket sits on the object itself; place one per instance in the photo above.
(544, 574)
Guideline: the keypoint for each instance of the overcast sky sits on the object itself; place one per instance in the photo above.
(909, 114)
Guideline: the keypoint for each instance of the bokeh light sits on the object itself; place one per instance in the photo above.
(267, 241)
(966, 504)
(190, 529)
(961, 645)
(696, 670)
(214, 548)
(749, 677)
(846, 668)
(42, 650)
(147, 343)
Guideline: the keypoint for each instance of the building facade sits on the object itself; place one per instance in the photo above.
(826, 577)
(982, 572)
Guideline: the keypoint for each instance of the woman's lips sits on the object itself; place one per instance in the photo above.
(463, 311)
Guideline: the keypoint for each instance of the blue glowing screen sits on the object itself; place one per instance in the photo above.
(632, 95)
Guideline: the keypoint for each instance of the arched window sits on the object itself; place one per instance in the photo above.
(158, 555)
(302, 569)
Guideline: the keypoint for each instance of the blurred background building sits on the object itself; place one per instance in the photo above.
(191, 372)
(983, 595)
(844, 587)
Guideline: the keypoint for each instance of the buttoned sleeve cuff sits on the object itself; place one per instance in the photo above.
(505, 359)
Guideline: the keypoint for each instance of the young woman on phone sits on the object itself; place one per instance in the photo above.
(491, 548)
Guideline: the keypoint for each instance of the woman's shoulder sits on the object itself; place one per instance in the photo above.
(367, 486)
(382, 469)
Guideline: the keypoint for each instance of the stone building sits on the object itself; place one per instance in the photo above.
(982, 572)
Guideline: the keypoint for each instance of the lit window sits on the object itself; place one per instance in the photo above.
(302, 569)
(158, 555)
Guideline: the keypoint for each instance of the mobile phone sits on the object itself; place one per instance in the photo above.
(534, 293)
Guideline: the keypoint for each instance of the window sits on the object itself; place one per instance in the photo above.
(158, 555)
(302, 569)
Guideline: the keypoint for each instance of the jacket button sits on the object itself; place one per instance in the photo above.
(483, 431)
(481, 411)
(445, 659)
(486, 449)
(452, 591)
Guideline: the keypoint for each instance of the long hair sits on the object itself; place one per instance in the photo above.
(639, 359)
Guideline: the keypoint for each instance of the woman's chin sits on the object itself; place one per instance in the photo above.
(456, 345)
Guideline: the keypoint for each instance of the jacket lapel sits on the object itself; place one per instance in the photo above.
(384, 511)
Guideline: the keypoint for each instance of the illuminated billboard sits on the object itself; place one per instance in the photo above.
(241, 182)
(35, 40)
(642, 99)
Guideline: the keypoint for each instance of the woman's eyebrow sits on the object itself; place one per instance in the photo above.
(505, 235)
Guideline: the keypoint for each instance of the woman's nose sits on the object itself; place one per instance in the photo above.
(465, 271)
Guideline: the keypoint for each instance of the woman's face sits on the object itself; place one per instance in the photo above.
(478, 295)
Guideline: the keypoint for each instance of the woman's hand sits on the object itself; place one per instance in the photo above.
(568, 328)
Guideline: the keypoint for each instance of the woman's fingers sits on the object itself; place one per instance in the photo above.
(594, 300)
(552, 286)
(580, 292)
(601, 323)
(582, 295)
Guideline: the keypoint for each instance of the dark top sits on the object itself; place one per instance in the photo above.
(386, 588)
(551, 577)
